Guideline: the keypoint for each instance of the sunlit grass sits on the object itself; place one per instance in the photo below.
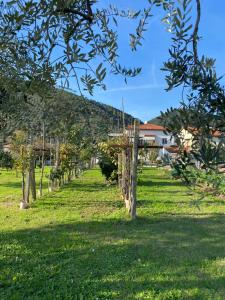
(11, 185)
(79, 242)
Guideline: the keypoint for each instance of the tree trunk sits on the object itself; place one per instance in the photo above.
(56, 182)
(27, 187)
(50, 158)
(126, 165)
(57, 153)
(133, 177)
(23, 185)
(42, 161)
(32, 179)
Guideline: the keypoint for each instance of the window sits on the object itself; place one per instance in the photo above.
(164, 141)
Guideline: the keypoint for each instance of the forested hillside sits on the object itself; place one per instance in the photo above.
(98, 118)
(62, 109)
(156, 121)
(105, 118)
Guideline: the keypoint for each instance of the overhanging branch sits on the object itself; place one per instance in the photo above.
(88, 16)
(195, 33)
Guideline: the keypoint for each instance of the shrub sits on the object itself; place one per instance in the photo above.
(108, 168)
(6, 160)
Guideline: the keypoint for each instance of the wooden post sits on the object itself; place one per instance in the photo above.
(32, 178)
(133, 176)
(123, 175)
(126, 164)
(120, 166)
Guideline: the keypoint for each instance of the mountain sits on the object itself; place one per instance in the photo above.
(156, 121)
(62, 110)
(98, 118)
(170, 113)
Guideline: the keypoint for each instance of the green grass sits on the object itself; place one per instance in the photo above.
(79, 242)
(10, 185)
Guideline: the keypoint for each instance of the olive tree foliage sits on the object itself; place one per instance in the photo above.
(49, 40)
(185, 67)
(203, 97)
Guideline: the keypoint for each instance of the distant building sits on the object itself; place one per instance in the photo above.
(156, 134)
(188, 135)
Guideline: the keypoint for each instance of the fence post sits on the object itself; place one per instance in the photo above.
(133, 177)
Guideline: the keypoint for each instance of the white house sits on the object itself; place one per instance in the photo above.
(157, 135)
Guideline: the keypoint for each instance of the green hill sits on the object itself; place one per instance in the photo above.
(98, 118)
(156, 121)
(62, 110)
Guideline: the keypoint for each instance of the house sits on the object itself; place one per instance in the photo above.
(153, 135)
(156, 135)
(187, 136)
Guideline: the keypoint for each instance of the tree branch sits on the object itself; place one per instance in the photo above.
(88, 16)
(90, 13)
(195, 33)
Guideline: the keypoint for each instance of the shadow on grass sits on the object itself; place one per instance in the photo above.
(115, 259)
(80, 195)
(163, 183)
(18, 185)
(148, 202)
(84, 187)
(11, 185)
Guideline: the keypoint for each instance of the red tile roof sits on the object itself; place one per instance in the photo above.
(175, 149)
(172, 149)
(215, 133)
(149, 126)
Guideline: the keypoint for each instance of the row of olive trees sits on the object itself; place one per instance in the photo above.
(65, 160)
(47, 130)
(63, 39)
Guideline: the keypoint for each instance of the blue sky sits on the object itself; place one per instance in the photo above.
(145, 96)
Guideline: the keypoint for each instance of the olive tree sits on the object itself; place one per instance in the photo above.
(60, 39)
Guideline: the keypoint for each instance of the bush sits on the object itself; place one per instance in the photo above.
(56, 174)
(203, 180)
(108, 168)
(6, 160)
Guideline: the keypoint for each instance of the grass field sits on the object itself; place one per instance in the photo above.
(10, 185)
(80, 244)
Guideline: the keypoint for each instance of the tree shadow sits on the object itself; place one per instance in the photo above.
(78, 195)
(148, 202)
(11, 185)
(161, 183)
(115, 259)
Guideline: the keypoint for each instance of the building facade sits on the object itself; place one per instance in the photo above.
(155, 135)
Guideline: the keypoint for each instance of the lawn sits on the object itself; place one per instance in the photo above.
(10, 185)
(79, 243)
